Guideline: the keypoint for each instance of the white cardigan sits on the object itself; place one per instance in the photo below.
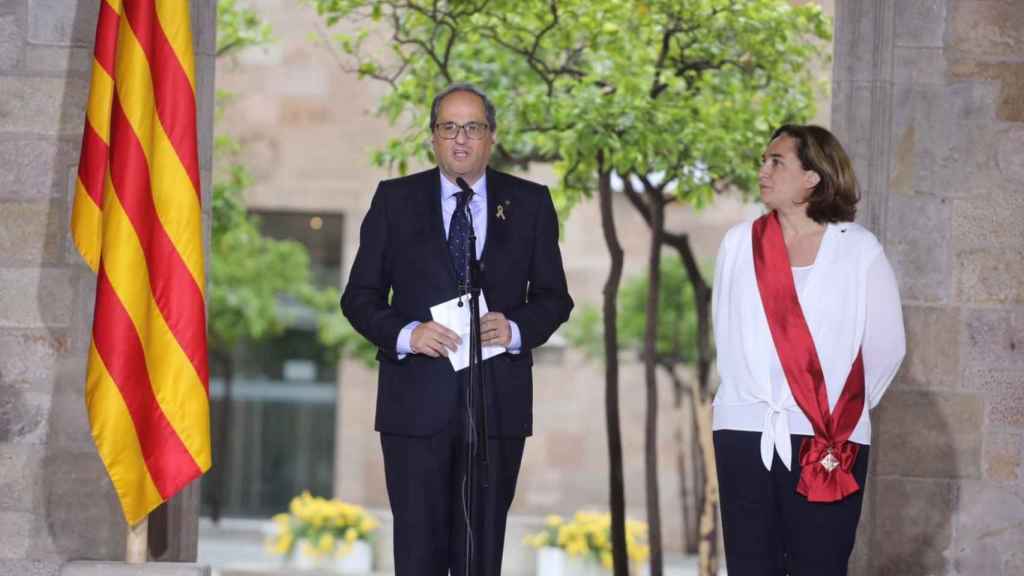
(850, 300)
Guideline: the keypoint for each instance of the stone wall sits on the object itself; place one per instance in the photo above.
(56, 501)
(929, 97)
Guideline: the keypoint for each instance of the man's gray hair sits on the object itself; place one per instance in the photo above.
(489, 111)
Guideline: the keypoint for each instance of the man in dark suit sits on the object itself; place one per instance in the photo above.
(412, 255)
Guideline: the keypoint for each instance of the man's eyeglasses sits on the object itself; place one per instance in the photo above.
(450, 130)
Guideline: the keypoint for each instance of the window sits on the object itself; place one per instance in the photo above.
(277, 438)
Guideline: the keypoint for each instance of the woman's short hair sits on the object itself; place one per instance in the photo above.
(835, 197)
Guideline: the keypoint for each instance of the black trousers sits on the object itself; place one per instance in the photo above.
(770, 529)
(425, 480)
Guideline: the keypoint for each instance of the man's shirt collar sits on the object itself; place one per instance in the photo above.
(449, 188)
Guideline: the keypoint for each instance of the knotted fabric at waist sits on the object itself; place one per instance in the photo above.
(776, 421)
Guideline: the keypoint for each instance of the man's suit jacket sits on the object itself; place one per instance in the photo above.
(403, 251)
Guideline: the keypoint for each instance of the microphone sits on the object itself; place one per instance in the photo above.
(464, 187)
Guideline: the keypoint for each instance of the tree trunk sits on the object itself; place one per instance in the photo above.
(616, 484)
(702, 395)
(697, 471)
(657, 212)
(701, 389)
(687, 465)
(708, 545)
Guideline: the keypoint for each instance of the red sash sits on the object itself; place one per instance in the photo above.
(827, 459)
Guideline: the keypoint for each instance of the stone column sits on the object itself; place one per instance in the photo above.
(929, 99)
(56, 501)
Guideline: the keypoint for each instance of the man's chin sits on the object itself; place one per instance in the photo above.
(465, 173)
(461, 168)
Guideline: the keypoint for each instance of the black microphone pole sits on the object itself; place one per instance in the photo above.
(476, 354)
(475, 382)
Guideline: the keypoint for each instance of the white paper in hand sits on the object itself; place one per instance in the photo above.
(456, 318)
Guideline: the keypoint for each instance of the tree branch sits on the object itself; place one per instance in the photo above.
(657, 86)
(635, 198)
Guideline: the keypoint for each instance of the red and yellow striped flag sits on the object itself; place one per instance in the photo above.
(137, 222)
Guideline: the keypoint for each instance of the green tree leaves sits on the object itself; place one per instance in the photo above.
(686, 89)
(238, 27)
(677, 322)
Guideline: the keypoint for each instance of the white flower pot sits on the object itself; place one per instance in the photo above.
(303, 560)
(584, 566)
(576, 566)
(358, 560)
(551, 561)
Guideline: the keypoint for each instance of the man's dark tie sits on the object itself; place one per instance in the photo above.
(458, 238)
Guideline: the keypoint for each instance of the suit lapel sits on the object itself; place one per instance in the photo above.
(497, 229)
(430, 205)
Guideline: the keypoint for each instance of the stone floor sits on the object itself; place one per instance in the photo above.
(235, 548)
(674, 566)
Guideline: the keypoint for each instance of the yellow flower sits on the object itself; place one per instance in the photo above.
(313, 517)
(367, 524)
(576, 547)
(567, 532)
(589, 533)
(326, 543)
(280, 544)
(636, 529)
(639, 553)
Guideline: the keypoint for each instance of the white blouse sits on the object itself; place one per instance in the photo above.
(850, 300)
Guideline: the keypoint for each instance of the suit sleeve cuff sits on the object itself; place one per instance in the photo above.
(515, 343)
(404, 345)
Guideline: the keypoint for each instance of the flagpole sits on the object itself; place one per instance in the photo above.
(137, 542)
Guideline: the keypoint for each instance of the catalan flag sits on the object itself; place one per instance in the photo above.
(137, 222)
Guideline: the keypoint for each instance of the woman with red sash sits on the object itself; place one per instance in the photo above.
(809, 333)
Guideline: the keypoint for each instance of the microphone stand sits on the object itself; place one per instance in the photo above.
(476, 409)
(476, 352)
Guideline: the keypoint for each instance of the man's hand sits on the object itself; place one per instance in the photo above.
(433, 339)
(495, 330)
